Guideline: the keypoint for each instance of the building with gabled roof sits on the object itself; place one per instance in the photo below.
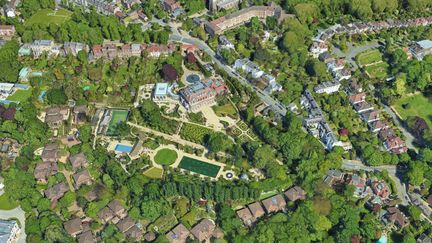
(73, 226)
(78, 161)
(56, 192)
(274, 204)
(178, 234)
(246, 216)
(82, 178)
(295, 193)
(9, 231)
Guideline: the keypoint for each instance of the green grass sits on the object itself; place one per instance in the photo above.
(21, 95)
(165, 157)
(225, 110)
(379, 70)
(199, 166)
(154, 173)
(117, 117)
(6, 203)
(418, 105)
(369, 56)
(48, 16)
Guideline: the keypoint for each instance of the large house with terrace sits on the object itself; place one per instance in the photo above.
(202, 93)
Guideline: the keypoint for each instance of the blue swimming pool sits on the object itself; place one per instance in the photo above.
(123, 148)
(42, 95)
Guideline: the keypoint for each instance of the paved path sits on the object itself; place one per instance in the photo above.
(185, 38)
(409, 139)
(20, 215)
(391, 169)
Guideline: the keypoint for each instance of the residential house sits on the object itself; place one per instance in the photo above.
(125, 224)
(327, 87)
(40, 46)
(274, 204)
(377, 126)
(424, 238)
(130, 3)
(82, 178)
(56, 192)
(220, 25)
(50, 153)
(396, 217)
(170, 5)
(395, 145)
(45, 170)
(101, 6)
(72, 48)
(256, 210)
(205, 230)
(343, 74)
(318, 47)
(386, 134)
(55, 116)
(336, 65)
(7, 31)
(357, 98)
(225, 43)
(295, 193)
(370, 116)
(86, 237)
(118, 210)
(109, 51)
(9, 231)
(202, 93)
(217, 5)
(80, 114)
(105, 215)
(354, 87)
(248, 67)
(78, 161)
(134, 232)
(325, 57)
(73, 226)
(363, 107)
(333, 176)
(246, 216)
(178, 234)
(157, 50)
(96, 52)
(380, 189)
(421, 48)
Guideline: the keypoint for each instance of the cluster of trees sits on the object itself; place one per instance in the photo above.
(152, 117)
(91, 28)
(9, 63)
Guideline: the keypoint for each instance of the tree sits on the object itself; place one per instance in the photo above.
(416, 173)
(9, 64)
(169, 73)
(400, 84)
(56, 96)
(415, 212)
(361, 8)
(217, 142)
(263, 156)
(306, 12)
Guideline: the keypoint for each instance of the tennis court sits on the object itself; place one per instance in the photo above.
(199, 166)
(117, 116)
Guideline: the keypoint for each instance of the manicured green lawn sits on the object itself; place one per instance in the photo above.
(117, 117)
(165, 157)
(199, 166)
(154, 173)
(48, 16)
(6, 203)
(418, 105)
(225, 110)
(379, 70)
(20, 95)
(369, 56)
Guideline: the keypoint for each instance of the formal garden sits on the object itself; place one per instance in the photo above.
(198, 166)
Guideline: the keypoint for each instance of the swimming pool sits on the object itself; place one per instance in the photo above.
(42, 95)
(123, 148)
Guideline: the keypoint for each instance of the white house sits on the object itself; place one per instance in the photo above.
(9, 231)
(327, 87)
(249, 67)
(421, 48)
(317, 48)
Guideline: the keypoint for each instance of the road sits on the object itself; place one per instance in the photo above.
(392, 172)
(20, 215)
(186, 39)
(409, 138)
